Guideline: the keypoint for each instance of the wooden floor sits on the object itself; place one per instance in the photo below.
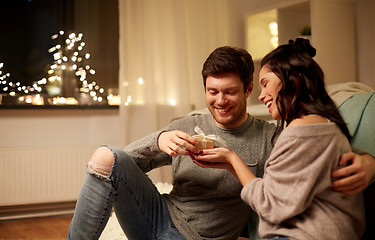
(36, 228)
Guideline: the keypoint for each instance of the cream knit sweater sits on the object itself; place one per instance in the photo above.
(294, 198)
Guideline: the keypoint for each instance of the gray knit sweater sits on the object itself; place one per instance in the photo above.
(206, 203)
(295, 198)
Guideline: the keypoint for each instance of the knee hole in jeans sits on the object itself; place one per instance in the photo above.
(101, 162)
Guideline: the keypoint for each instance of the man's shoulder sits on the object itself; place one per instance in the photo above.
(189, 122)
(261, 123)
(192, 118)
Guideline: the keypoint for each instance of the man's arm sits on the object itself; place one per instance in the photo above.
(357, 175)
(146, 153)
(158, 148)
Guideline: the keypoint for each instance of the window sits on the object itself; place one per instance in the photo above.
(58, 52)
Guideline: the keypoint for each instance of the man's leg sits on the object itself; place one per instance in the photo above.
(144, 214)
(95, 200)
(114, 179)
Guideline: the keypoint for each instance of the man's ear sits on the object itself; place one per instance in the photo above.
(249, 89)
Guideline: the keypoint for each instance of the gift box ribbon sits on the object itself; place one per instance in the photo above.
(211, 136)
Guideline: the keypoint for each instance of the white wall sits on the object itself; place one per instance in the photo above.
(333, 34)
(86, 128)
(64, 127)
(343, 31)
(365, 41)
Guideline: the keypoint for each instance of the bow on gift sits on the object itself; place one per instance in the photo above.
(212, 137)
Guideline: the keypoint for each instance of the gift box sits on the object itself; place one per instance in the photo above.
(206, 141)
(203, 142)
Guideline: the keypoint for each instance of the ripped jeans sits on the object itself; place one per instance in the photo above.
(140, 209)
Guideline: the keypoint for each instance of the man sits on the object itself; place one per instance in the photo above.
(204, 203)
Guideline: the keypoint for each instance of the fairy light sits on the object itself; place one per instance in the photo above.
(67, 55)
(28, 100)
(140, 81)
(273, 27)
(15, 87)
(128, 101)
(73, 59)
(172, 102)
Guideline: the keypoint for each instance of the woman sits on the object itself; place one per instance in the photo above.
(294, 200)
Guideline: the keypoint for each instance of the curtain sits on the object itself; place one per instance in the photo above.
(163, 44)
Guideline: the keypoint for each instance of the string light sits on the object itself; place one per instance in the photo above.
(67, 57)
(172, 102)
(71, 56)
(273, 27)
(12, 88)
(140, 81)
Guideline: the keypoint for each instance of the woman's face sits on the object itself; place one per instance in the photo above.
(270, 86)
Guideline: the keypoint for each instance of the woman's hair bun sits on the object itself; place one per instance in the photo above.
(304, 45)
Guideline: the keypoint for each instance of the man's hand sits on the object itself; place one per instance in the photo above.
(356, 176)
(176, 142)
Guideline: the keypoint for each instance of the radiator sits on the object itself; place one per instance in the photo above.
(42, 175)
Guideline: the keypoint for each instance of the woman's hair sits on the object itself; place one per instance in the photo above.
(302, 91)
(229, 60)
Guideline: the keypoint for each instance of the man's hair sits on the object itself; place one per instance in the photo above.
(229, 60)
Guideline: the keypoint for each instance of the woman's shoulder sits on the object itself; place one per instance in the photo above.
(310, 127)
(309, 119)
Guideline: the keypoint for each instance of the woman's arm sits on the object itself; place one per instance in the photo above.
(224, 158)
(299, 166)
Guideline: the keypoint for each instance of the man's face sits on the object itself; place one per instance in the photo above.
(226, 99)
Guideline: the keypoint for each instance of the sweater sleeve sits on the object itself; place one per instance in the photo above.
(297, 169)
(146, 152)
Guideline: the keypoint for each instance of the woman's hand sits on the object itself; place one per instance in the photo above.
(224, 158)
(176, 142)
(356, 176)
(218, 157)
